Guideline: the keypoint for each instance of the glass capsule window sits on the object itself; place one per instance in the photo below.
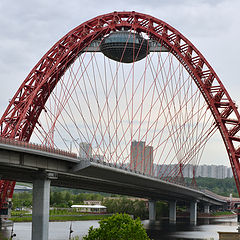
(123, 37)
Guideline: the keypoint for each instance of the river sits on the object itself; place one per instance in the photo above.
(206, 229)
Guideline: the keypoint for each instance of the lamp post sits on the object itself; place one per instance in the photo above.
(76, 140)
(69, 142)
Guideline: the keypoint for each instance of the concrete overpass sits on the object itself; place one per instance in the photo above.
(41, 166)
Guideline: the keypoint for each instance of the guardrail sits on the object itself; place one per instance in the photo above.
(128, 169)
(43, 148)
(214, 195)
(35, 146)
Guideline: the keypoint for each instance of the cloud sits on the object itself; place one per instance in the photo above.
(30, 28)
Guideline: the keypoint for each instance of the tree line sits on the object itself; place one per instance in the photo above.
(58, 199)
(223, 187)
(64, 198)
(116, 204)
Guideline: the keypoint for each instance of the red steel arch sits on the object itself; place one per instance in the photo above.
(22, 114)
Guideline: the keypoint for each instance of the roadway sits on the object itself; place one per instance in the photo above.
(27, 162)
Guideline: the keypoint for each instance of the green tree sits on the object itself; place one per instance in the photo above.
(137, 208)
(56, 198)
(118, 227)
(22, 199)
(219, 186)
(140, 209)
(162, 209)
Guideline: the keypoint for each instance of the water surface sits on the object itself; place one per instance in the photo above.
(206, 229)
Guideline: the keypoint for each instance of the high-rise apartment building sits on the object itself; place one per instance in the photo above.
(85, 150)
(148, 160)
(210, 171)
(141, 157)
(137, 153)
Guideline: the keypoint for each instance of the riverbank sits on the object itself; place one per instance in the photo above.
(63, 218)
(224, 214)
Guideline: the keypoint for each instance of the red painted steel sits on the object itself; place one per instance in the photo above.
(22, 114)
(6, 192)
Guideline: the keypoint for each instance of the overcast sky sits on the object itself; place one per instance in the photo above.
(29, 28)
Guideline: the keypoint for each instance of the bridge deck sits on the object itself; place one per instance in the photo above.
(21, 163)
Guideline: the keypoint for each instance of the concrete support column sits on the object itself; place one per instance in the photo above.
(152, 210)
(206, 208)
(172, 211)
(40, 211)
(193, 212)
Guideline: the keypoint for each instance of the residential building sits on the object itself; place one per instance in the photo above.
(85, 150)
(141, 157)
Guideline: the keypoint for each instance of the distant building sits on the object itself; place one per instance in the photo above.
(148, 160)
(210, 171)
(141, 157)
(137, 153)
(92, 202)
(85, 150)
(162, 170)
(90, 208)
(214, 171)
(229, 172)
(205, 171)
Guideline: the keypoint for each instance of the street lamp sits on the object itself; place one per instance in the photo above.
(70, 143)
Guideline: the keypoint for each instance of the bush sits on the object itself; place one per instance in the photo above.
(118, 227)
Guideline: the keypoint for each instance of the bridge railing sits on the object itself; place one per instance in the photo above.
(35, 146)
(44, 148)
(128, 169)
(214, 194)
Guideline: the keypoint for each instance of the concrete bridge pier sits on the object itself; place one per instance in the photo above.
(152, 210)
(172, 211)
(193, 212)
(40, 211)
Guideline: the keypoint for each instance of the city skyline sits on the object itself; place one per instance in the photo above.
(209, 171)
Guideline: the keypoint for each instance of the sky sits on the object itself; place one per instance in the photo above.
(30, 28)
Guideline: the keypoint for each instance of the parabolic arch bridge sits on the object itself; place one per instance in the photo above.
(125, 89)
